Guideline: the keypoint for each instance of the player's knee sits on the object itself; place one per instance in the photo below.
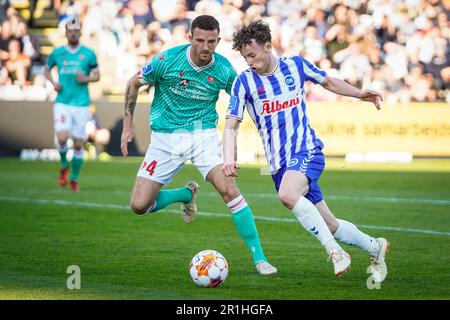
(62, 142)
(229, 192)
(78, 146)
(62, 137)
(288, 199)
(139, 207)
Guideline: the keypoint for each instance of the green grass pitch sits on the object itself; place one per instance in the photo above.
(45, 228)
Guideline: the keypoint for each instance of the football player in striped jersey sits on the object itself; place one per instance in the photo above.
(272, 91)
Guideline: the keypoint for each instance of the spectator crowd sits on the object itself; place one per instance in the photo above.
(398, 47)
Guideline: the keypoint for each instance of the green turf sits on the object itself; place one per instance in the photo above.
(45, 228)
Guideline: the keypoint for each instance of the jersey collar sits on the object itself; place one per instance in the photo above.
(193, 65)
(273, 71)
(73, 50)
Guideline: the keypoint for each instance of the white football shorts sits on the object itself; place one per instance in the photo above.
(72, 119)
(168, 152)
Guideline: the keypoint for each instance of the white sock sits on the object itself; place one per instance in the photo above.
(310, 218)
(150, 208)
(78, 153)
(348, 233)
(61, 148)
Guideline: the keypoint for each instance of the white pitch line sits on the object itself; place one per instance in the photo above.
(274, 196)
(442, 202)
(209, 214)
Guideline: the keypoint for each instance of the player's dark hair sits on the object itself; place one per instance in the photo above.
(256, 30)
(205, 22)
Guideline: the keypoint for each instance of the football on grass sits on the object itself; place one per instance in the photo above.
(208, 269)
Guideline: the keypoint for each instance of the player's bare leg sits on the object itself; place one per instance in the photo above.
(328, 216)
(242, 217)
(226, 186)
(147, 197)
(348, 233)
(144, 194)
(293, 188)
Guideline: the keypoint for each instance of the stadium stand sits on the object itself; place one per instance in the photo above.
(398, 47)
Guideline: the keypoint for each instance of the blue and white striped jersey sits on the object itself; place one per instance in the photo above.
(276, 103)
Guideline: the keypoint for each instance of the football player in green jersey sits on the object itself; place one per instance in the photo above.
(77, 66)
(183, 120)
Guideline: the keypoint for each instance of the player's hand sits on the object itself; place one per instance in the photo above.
(81, 78)
(57, 87)
(127, 137)
(229, 169)
(372, 96)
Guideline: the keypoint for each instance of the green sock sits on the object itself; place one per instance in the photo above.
(243, 219)
(77, 163)
(167, 197)
(63, 161)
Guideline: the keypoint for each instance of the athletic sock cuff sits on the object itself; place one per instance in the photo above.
(237, 204)
(60, 148)
(78, 154)
(301, 206)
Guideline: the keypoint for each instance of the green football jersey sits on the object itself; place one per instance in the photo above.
(69, 63)
(185, 94)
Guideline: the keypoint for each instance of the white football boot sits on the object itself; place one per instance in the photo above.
(265, 268)
(341, 261)
(189, 210)
(377, 263)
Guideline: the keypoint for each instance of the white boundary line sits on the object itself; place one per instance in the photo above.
(209, 214)
(272, 196)
(440, 202)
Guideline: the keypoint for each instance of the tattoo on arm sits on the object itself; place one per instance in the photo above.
(131, 94)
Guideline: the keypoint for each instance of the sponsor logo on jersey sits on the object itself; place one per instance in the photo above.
(147, 69)
(211, 79)
(184, 82)
(292, 162)
(269, 107)
(289, 80)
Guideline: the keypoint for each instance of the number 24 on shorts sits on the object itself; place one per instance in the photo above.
(150, 168)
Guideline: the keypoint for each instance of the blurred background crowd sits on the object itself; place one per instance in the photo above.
(398, 47)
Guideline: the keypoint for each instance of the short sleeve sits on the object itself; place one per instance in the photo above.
(51, 61)
(237, 100)
(93, 61)
(154, 69)
(313, 73)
